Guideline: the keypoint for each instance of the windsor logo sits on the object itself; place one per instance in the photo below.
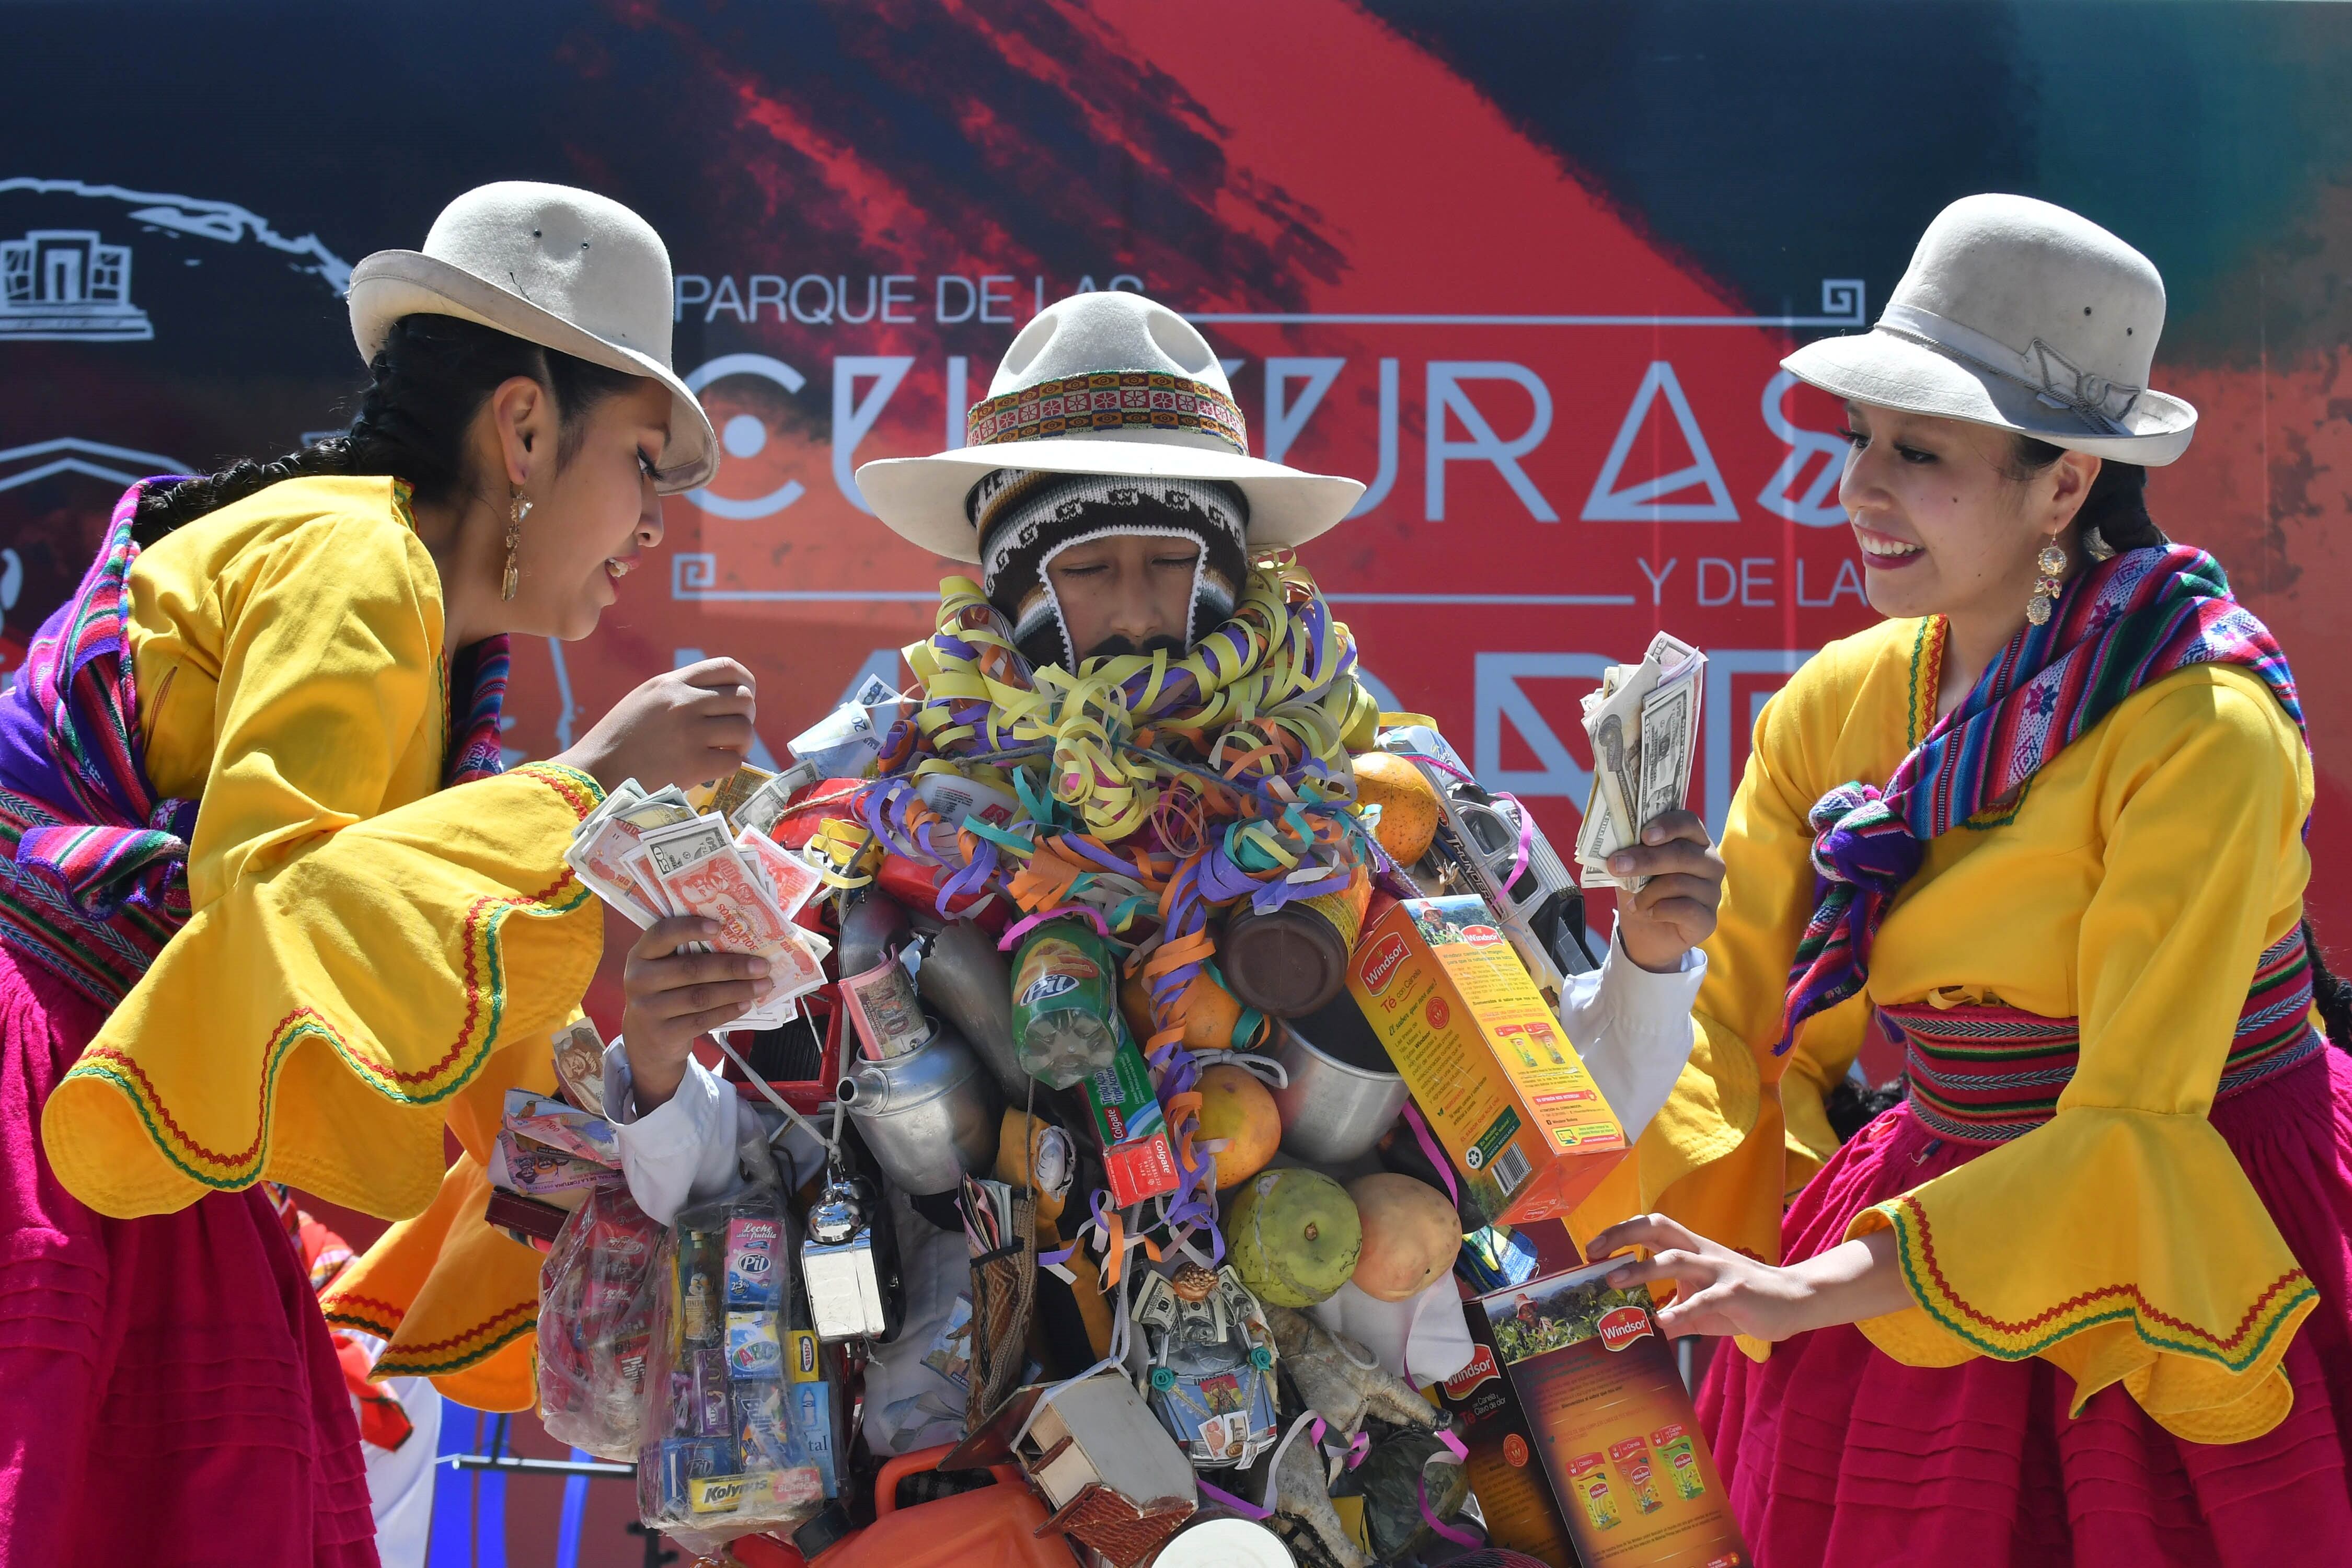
(1622, 1326)
(1381, 966)
(1482, 1367)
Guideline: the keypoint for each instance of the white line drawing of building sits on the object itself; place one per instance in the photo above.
(223, 221)
(67, 283)
(70, 284)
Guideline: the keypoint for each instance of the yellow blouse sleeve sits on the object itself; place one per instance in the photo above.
(1721, 1157)
(2121, 1239)
(454, 1297)
(347, 969)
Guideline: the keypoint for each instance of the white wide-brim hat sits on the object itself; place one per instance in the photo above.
(564, 269)
(2021, 315)
(1106, 384)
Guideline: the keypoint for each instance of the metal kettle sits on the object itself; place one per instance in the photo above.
(931, 1117)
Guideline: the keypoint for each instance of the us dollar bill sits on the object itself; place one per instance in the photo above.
(736, 788)
(1669, 734)
(675, 847)
(1643, 725)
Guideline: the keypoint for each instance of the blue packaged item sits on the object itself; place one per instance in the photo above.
(754, 1351)
(755, 1272)
(684, 1459)
(764, 1433)
(812, 1412)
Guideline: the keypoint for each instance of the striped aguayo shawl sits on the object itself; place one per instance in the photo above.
(93, 864)
(2121, 625)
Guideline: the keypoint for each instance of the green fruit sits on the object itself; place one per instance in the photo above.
(1294, 1235)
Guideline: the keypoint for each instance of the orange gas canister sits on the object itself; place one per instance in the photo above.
(995, 1527)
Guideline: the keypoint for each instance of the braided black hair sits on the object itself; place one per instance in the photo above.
(2330, 992)
(1851, 1106)
(2117, 504)
(432, 375)
(2117, 507)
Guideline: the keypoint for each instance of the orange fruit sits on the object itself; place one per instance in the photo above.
(1234, 1105)
(1211, 1012)
(1408, 804)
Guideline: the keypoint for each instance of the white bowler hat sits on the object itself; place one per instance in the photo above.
(565, 268)
(1103, 384)
(2023, 315)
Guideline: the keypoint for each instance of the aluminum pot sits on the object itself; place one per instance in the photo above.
(1332, 1110)
(931, 1117)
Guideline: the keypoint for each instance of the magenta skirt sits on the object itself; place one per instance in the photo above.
(168, 1391)
(1837, 1456)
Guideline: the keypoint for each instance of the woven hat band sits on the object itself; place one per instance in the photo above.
(1105, 401)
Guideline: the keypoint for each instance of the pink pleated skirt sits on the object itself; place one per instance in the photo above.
(1837, 1456)
(168, 1391)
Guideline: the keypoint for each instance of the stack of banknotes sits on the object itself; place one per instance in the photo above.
(660, 853)
(1644, 723)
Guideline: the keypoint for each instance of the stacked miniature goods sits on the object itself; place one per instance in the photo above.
(1109, 965)
(1174, 1040)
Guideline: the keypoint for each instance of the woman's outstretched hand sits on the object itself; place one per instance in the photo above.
(688, 727)
(671, 995)
(1674, 910)
(1720, 1291)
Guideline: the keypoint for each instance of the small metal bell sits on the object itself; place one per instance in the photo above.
(838, 1266)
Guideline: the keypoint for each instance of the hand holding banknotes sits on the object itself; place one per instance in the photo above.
(687, 727)
(1675, 881)
(716, 897)
(675, 990)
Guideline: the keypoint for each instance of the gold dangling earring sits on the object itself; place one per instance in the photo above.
(2049, 563)
(515, 514)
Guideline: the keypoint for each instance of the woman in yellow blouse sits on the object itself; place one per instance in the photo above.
(2086, 1296)
(271, 910)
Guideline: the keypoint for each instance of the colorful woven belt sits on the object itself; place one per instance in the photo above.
(1988, 1074)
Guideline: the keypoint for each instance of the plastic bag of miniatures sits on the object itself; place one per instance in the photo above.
(721, 1452)
(595, 1324)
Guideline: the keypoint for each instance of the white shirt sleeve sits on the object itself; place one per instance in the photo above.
(1633, 1029)
(680, 1152)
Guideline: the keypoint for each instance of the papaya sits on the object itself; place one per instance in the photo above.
(1294, 1236)
(1411, 1234)
(1409, 807)
(1236, 1106)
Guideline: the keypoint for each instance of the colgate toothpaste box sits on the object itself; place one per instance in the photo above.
(1487, 1061)
(1138, 1163)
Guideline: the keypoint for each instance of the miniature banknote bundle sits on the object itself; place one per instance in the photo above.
(654, 855)
(1642, 720)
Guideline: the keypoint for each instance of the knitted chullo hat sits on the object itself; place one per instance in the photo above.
(1026, 520)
